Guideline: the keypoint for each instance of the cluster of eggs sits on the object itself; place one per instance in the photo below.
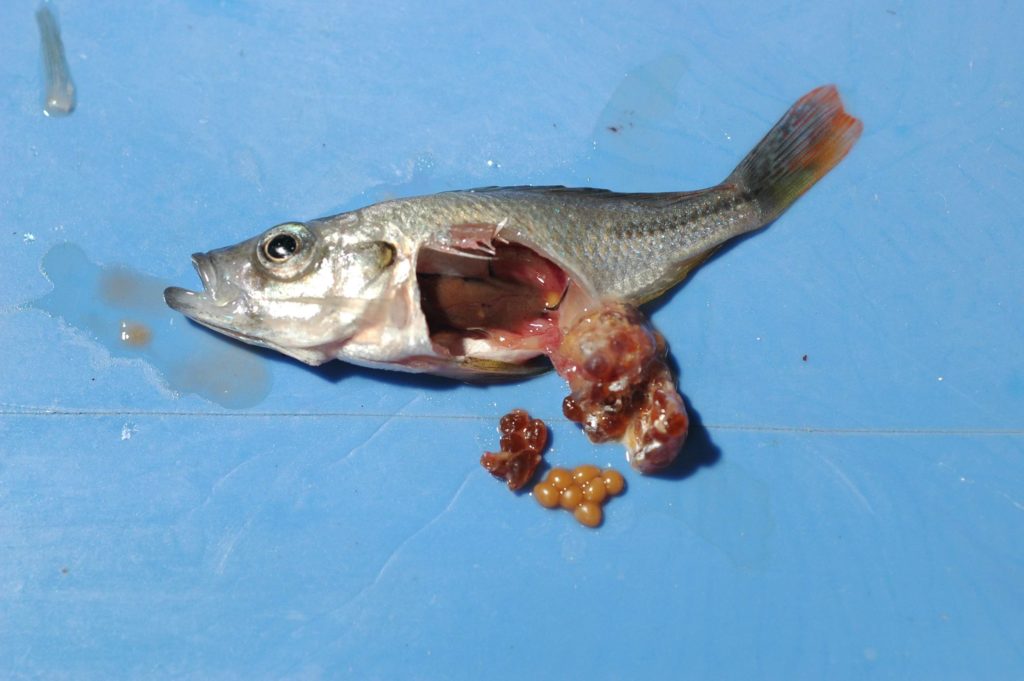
(582, 490)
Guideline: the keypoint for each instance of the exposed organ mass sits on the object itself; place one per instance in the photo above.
(622, 389)
(522, 447)
(506, 300)
(614, 361)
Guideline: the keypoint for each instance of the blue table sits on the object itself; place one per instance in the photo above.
(853, 502)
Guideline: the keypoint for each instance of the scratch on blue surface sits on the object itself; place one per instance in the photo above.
(1013, 501)
(398, 549)
(849, 484)
(388, 418)
(227, 476)
(220, 483)
(394, 554)
(226, 546)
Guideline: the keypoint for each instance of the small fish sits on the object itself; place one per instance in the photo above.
(486, 283)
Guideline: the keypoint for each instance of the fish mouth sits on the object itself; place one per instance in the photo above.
(206, 271)
(208, 305)
(220, 306)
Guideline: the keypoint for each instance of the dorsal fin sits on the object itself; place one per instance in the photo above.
(657, 198)
(540, 189)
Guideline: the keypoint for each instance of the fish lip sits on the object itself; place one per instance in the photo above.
(177, 297)
(214, 293)
(218, 291)
(185, 301)
(199, 308)
(206, 271)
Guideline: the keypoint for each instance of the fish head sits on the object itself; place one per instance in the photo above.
(364, 288)
(302, 289)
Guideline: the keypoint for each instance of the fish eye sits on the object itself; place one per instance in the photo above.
(286, 251)
(281, 247)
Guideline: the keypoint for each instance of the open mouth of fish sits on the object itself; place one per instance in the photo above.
(212, 306)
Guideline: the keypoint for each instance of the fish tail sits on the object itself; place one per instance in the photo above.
(814, 135)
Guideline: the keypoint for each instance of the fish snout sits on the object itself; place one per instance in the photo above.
(179, 299)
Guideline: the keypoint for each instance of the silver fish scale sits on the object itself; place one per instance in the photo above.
(631, 247)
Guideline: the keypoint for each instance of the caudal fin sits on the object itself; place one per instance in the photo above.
(813, 136)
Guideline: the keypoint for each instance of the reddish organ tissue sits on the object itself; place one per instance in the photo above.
(621, 387)
(522, 445)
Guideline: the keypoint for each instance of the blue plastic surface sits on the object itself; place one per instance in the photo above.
(858, 514)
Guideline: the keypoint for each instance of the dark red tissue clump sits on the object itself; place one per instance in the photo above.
(522, 448)
(621, 386)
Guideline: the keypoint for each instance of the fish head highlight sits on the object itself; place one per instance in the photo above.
(302, 289)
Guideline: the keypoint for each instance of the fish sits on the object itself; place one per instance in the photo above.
(486, 283)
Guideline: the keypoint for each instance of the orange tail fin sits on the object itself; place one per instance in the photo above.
(813, 136)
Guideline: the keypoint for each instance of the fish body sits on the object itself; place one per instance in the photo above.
(481, 283)
(601, 237)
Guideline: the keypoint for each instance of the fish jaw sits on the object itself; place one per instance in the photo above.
(193, 306)
(231, 304)
(204, 309)
(215, 306)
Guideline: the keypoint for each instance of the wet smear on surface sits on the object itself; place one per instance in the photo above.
(636, 126)
(135, 334)
(629, 138)
(60, 90)
(417, 179)
(124, 311)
